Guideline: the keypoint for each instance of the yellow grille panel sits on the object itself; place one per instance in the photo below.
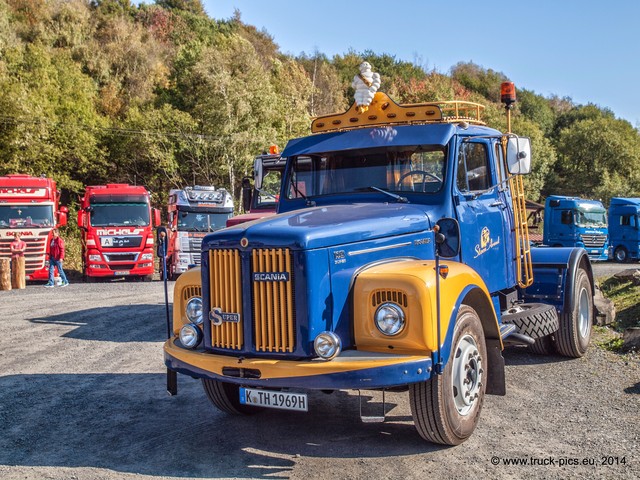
(273, 312)
(226, 294)
(381, 296)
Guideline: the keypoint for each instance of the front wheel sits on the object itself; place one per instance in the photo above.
(446, 408)
(226, 397)
(574, 334)
(621, 255)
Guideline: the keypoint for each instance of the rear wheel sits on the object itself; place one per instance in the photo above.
(537, 320)
(574, 334)
(543, 346)
(446, 408)
(621, 255)
(226, 397)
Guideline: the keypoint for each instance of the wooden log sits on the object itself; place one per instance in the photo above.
(5, 274)
(18, 275)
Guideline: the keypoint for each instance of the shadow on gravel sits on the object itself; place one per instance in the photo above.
(633, 389)
(127, 423)
(516, 355)
(123, 323)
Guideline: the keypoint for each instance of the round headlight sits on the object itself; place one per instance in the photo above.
(327, 345)
(190, 335)
(194, 310)
(389, 319)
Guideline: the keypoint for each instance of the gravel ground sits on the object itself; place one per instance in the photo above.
(82, 396)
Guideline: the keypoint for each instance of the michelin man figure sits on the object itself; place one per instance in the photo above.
(366, 84)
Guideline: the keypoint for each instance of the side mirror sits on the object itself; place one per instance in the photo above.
(247, 192)
(257, 173)
(447, 237)
(156, 218)
(519, 155)
(62, 216)
(82, 219)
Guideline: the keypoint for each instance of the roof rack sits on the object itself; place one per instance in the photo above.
(383, 112)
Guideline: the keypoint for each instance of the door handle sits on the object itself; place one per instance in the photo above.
(497, 204)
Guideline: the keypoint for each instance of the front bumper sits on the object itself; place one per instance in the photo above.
(352, 369)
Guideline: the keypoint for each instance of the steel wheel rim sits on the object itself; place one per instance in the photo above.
(467, 375)
(583, 313)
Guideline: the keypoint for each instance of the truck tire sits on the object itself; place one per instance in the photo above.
(543, 346)
(446, 408)
(621, 255)
(226, 397)
(572, 339)
(536, 320)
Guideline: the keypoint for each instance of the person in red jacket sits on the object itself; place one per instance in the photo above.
(56, 256)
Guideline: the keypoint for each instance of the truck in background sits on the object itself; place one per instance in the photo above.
(261, 199)
(116, 221)
(576, 222)
(624, 229)
(399, 259)
(30, 206)
(193, 212)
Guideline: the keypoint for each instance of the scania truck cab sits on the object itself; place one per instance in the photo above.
(399, 259)
(30, 206)
(624, 229)
(192, 213)
(576, 222)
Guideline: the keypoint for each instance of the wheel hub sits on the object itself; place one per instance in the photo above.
(467, 374)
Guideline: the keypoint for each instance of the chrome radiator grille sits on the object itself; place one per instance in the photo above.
(594, 241)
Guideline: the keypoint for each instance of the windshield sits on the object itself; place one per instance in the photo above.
(119, 214)
(202, 222)
(17, 216)
(418, 169)
(591, 218)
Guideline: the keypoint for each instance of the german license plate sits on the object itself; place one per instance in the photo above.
(594, 251)
(271, 399)
(123, 272)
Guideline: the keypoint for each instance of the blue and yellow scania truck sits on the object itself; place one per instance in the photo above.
(399, 259)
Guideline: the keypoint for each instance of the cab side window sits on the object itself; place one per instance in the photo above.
(473, 168)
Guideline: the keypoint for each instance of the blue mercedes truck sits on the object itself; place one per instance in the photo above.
(576, 222)
(624, 229)
(399, 259)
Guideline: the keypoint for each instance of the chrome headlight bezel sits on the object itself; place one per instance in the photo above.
(327, 345)
(389, 319)
(190, 336)
(193, 310)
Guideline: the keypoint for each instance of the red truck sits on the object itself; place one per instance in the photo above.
(116, 221)
(30, 206)
(261, 200)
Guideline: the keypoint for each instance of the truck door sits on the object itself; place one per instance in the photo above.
(482, 211)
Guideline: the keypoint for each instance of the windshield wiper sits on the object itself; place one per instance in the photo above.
(309, 203)
(399, 198)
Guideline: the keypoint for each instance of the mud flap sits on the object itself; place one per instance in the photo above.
(496, 383)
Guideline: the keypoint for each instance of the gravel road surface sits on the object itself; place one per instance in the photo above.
(82, 396)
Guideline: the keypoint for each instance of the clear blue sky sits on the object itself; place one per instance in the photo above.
(583, 49)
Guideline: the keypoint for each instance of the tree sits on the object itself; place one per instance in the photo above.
(478, 79)
(598, 158)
